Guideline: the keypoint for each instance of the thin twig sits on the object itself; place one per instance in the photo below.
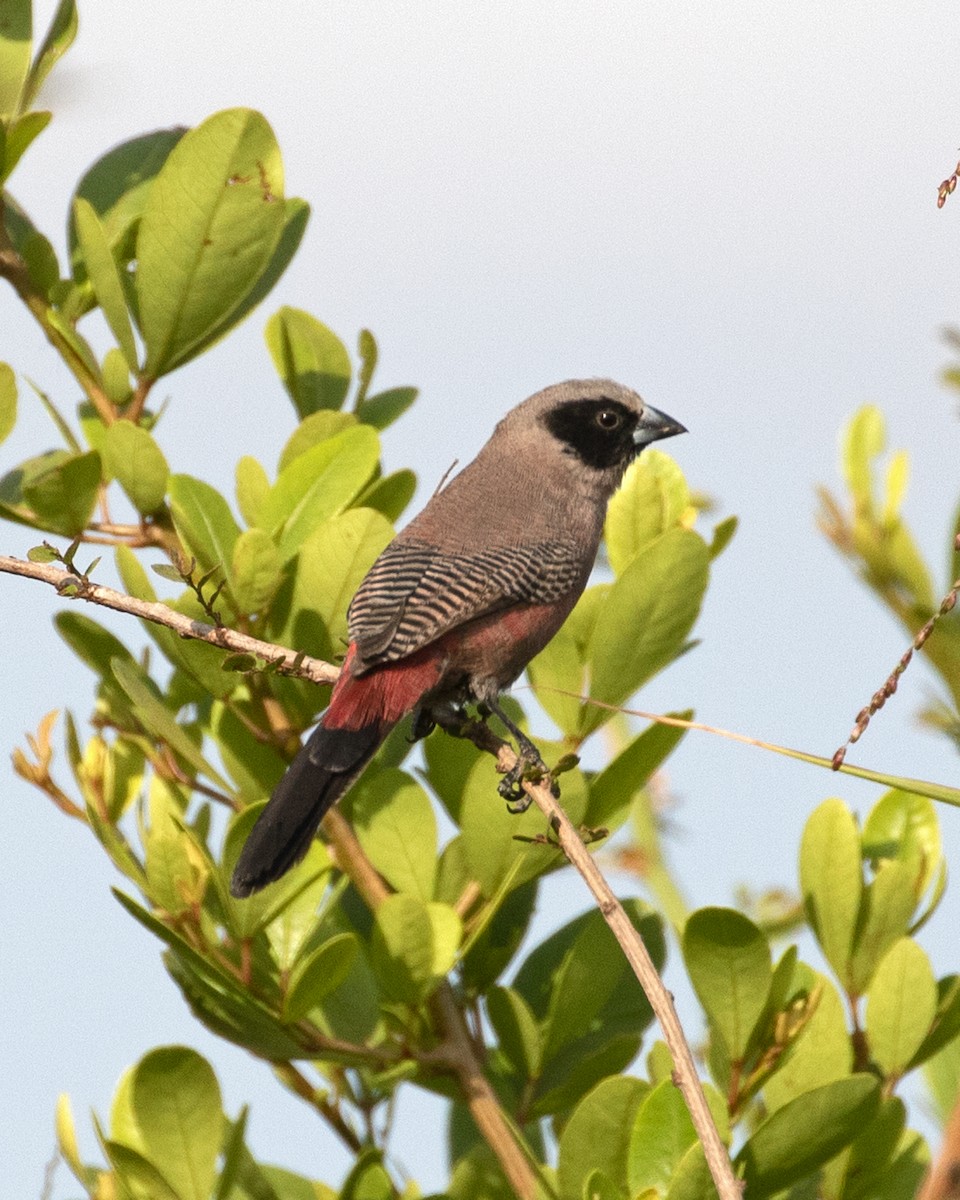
(637, 955)
(287, 662)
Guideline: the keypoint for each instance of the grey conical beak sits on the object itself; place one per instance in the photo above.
(654, 425)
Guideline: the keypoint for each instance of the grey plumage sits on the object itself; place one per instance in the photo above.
(458, 604)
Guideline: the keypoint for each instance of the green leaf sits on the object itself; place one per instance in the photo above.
(390, 494)
(946, 1023)
(559, 672)
(8, 401)
(644, 619)
(411, 946)
(821, 1054)
(597, 1136)
(394, 823)
(138, 1177)
(806, 1133)
(901, 1005)
(211, 224)
(21, 133)
(176, 1104)
(331, 565)
(158, 720)
(652, 499)
(317, 485)
(662, 1133)
(104, 276)
(493, 853)
(16, 47)
(310, 359)
(579, 1068)
(692, 1180)
(90, 641)
(516, 1030)
(117, 186)
(905, 827)
(885, 913)
(612, 790)
(722, 535)
(252, 488)
(367, 348)
(728, 959)
(135, 460)
(64, 495)
(942, 1075)
(59, 39)
(312, 430)
(386, 407)
(319, 974)
(831, 881)
(493, 947)
(255, 570)
(203, 520)
(864, 440)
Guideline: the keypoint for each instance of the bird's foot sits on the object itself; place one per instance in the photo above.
(529, 768)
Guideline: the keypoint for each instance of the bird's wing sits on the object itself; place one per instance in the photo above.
(414, 593)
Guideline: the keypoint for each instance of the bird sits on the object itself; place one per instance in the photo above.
(462, 599)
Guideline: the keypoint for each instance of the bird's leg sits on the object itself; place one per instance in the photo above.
(528, 757)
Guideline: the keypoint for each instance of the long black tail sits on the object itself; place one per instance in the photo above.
(326, 765)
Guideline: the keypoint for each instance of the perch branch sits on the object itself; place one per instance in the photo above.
(287, 662)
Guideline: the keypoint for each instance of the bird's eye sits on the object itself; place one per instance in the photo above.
(608, 418)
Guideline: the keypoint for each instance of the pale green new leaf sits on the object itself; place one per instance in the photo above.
(901, 1003)
(310, 359)
(134, 459)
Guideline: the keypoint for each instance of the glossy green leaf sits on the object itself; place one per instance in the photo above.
(559, 672)
(138, 1177)
(492, 948)
(8, 401)
(134, 459)
(331, 565)
(886, 910)
(804, 1134)
(692, 1179)
(310, 359)
(597, 1136)
(16, 48)
(905, 827)
(645, 618)
(319, 974)
(946, 1022)
(516, 1030)
(59, 39)
(212, 221)
(158, 720)
(177, 1107)
(662, 1133)
(728, 959)
(386, 407)
(652, 499)
(318, 485)
(20, 135)
(490, 833)
(401, 954)
(394, 823)
(203, 520)
(578, 1069)
(312, 430)
(253, 485)
(64, 495)
(831, 880)
(256, 571)
(117, 186)
(104, 275)
(612, 790)
(822, 1052)
(901, 1005)
(390, 494)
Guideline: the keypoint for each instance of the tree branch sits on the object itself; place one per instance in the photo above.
(287, 662)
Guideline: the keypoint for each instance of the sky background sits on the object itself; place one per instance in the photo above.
(730, 207)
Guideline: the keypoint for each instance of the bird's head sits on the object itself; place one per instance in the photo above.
(601, 425)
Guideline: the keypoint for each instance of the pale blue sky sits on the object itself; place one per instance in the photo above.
(729, 206)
